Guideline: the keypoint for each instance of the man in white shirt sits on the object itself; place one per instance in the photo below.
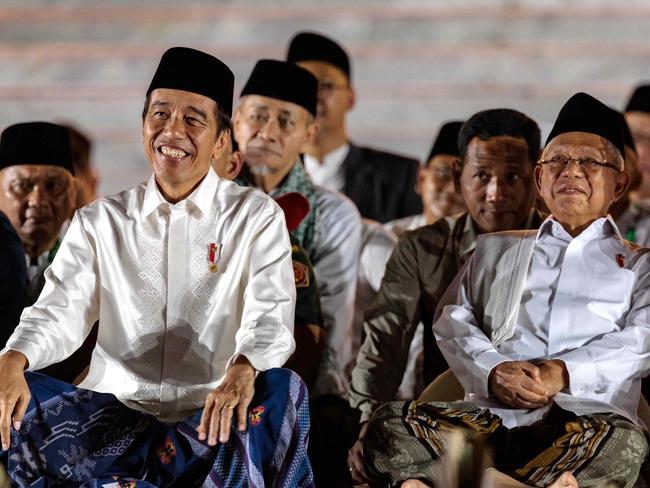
(37, 191)
(191, 280)
(547, 331)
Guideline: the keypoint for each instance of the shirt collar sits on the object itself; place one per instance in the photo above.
(334, 158)
(468, 238)
(201, 198)
(598, 229)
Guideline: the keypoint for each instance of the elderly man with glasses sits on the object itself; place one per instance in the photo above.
(547, 332)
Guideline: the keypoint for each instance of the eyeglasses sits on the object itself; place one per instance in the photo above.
(588, 165)
(329, 86)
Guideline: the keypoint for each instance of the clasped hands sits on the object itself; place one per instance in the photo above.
(521, 384)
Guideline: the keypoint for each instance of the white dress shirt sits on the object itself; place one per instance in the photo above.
(169, 324)
(329, 173)
(586, 301)
(337, 240)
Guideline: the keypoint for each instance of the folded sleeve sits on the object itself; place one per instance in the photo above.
(468, 351)
(388, 331)
(265, 336)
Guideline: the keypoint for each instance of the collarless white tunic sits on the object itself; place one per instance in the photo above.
(169, 324)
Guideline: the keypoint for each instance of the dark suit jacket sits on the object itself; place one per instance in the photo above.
(381, 184)
(13, 279)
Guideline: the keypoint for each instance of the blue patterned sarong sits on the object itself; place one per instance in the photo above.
(76, 437)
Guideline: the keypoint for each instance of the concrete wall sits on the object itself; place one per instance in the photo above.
(416, 63)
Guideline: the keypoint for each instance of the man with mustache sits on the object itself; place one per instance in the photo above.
(547, 331)
(498, 149)
(381, 184)
(191, 280)
(37, 191)
(275, 117)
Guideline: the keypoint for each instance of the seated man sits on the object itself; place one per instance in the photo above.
(547, 331)
(37, 191)
(275, 118)
(498, 150)
(276, 115)
(190, 278)
(436, 183)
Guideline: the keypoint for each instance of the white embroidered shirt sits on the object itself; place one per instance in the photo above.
(168, 324)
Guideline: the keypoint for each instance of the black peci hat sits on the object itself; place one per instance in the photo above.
(584, 113)
(36, 143)
(182, 68)
(283, 81)
(309, 46)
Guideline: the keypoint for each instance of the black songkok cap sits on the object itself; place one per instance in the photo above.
(309, 46)
(182, 68)
(640, 100)
(447, 140)
(283, 81)
(583, 113)
(36, 143)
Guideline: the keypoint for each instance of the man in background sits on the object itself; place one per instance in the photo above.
(381, 184)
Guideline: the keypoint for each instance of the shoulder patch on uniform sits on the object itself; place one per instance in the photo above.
(301, 274)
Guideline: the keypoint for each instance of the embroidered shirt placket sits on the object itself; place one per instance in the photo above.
(178, 263)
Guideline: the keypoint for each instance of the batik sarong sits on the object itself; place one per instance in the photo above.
(76, 437)
(405, 440)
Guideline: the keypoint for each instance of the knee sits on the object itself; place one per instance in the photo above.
(279, 384)
(383, 426)
(636, 449)
(281, 379)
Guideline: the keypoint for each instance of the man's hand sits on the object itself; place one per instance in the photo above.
(236, 392)
(355, 458)
(14, 394)
(518, 384)
(553, 375)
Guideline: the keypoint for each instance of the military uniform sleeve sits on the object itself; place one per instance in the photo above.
(308, 311)
(388, 330)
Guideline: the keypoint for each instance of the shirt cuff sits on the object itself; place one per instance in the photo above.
(486, 362)
(28, 349)
(583, 375)
(258, 362)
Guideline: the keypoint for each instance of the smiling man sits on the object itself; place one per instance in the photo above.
(547, 331)
(190, 277)
(37, 191)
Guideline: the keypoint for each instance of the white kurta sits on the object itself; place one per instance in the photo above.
(580, 304)
(169, 325)
(330, 173)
